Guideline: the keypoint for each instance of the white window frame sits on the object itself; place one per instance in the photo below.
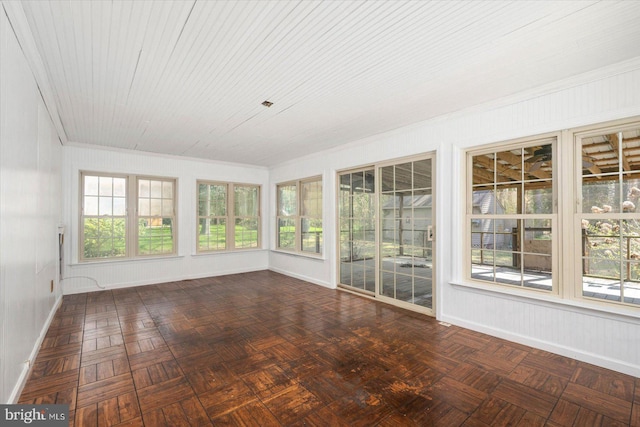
(236, 217)
(553, 217)
(298, 218)
(577, 135)
(199, 217)
(230, 217)
(291, 218)
(131, 216)
(567, 222)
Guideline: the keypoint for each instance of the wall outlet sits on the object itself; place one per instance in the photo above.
(51, 285)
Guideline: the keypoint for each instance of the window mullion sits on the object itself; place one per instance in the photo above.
(298, 217)
(231, 217)
(132, 216)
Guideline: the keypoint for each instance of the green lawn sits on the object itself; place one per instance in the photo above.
(311, 239)
(155, 240)
(216, 239)
(105, 238)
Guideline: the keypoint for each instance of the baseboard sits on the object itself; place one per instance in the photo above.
(302, 277)
(28, 366)
(122, 285)
(583, 356)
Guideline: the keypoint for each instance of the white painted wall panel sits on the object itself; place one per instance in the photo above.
(82, 277)
(48, 192)
(602, 338)
(30, 208)
(595, 337)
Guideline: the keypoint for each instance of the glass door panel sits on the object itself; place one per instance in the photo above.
(406, 243)
(356, 202)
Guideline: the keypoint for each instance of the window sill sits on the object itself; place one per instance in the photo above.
(622, 313)
(318, 257)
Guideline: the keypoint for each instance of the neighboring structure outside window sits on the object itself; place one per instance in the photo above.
(513, 208)
(221, 204)
(299, 217)
(110, 229)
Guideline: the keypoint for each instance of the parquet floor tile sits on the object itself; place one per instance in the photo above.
(263, 349)
(598, 402)
(525, 397)
(103, 389)
(231, 396)
(604, 381)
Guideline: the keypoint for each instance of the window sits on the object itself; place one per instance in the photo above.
(246, 216)
(608, 214)
(155, 216)
(287, 214)
(212, 216)
(299, 217)
(104, 217)
(513, 207)
(511, 216)
(111, 230)
(221, 204)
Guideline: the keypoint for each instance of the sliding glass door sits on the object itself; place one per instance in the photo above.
(386, 216)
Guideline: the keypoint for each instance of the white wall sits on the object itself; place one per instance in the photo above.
(30, 209)
(82, 277)
(599, 337)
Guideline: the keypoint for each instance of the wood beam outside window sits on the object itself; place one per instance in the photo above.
(500, 168)
(515, 160)
(614, 141)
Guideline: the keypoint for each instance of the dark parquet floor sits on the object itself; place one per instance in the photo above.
(263, 349)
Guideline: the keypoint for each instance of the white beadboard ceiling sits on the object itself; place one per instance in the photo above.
(189, 77)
